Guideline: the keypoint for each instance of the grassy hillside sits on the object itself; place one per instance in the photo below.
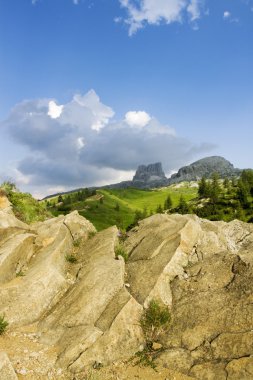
(24, 206)
(119, 206)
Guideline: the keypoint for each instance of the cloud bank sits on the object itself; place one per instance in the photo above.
(80, 144)
(155, 12)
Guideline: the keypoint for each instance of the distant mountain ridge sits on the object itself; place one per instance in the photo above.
(152, 175)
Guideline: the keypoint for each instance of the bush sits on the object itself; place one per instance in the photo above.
(71, 259)
(3, 324)
(155, 320)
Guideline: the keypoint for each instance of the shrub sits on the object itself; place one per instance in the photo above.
(71, 259)
(77, 242)
(155, 320)
(91, 234)
(3, 324)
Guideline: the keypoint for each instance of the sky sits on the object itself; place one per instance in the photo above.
(90, 89)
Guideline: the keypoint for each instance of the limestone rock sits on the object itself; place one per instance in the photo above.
(6, 370)
(89, 312)
(176, 359)
(240, 369)
(98, 307)
(209, 371)
(78, 226)
(25, 299)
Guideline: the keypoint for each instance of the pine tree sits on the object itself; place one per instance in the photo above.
(183, 207)
(159, 209)
(202, 190)
(168, 203)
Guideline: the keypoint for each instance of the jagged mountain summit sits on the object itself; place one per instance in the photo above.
(146, 177)
(205, 168)
(149, 173)
(151, 176)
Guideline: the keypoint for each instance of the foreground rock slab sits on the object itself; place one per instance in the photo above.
(82, 305)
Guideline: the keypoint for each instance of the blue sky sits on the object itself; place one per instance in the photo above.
(138, 81)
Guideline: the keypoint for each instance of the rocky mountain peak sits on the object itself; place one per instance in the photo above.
(149, 173)
(205, 167)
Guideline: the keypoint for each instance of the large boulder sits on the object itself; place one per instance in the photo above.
(24, 299)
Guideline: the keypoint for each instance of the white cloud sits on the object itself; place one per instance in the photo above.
(226, 14)
(76, 2)
(137, 118)
(153, 12)
(69, 151)
(54, 111)
(194, 9)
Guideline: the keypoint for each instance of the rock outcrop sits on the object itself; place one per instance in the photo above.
(146, 177)
(88, 312)
(150, 175)
(205, 168)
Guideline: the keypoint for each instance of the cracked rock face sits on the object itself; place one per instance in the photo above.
(89, 312)
(203, 271)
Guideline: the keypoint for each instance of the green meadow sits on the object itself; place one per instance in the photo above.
(118, 206)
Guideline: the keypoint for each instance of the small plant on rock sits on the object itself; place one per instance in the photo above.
(121, 251)
(77, 242)
(20, 273)
(91, 234)
(155, 320)
(3, 324)
(71, 259)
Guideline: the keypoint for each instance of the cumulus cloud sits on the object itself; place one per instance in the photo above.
(154, 12)
(137, 118)
(81, 145)
(54, 111)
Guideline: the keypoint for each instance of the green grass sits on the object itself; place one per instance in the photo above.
(155, 320)
(3, 324)
(71, 259)
(120, 251)
(150, 199)
(119, 205)
(25, 207)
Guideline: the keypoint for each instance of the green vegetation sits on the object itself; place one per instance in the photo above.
(3, 324)
(226, 200)
(25, 207)
(145, 358)
(77, 242)
(121, 207)
(155, 320)
(71, 258)
(121, 251)
(20, 274)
